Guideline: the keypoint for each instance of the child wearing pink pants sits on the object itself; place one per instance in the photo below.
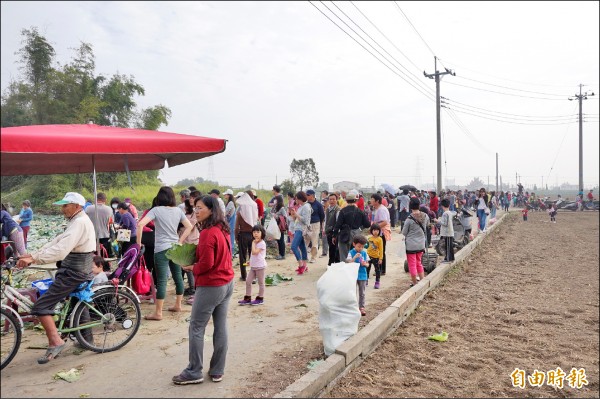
(415, 237)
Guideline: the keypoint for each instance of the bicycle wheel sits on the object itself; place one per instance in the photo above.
(121, 318)
(11, 337)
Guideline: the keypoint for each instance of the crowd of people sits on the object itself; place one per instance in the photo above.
(223, 228)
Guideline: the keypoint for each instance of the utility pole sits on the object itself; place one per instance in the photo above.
(437, 78)
(581, 96)
(496, 173)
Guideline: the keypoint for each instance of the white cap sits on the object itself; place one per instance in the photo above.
(238, 195)
(71, 198)
(228, 191)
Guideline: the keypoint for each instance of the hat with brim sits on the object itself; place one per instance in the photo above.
(238, 195)
(71, 198)
(228, 191)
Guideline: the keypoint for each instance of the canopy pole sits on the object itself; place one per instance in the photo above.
(96, 205)
(128, 174)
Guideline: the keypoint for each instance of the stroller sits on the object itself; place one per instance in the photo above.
(128, 266)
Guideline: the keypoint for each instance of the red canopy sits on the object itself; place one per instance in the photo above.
(57, 149)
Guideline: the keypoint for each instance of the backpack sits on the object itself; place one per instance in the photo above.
(128, 265)
(282, 223)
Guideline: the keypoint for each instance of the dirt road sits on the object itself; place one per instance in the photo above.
(528, 299)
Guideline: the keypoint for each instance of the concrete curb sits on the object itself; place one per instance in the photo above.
(356, 348)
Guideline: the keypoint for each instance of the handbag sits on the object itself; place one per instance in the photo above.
(282, 223)
(142, 279)
(123, 235)
(487, 210)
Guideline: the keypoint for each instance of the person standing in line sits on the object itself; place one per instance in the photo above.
(324, 243)
(447, 230)
(258, 265)
(482, 209)
(358, 255)
(213, 275)
(434, 203)
(403, 201)
(132, 208)
(192, 238)
(524, 212)
(276, 193)
(280, 214)
(148, 242)
(13, 232)
(330, 218)
(317, 218)
(166, 216)
(183, 195)
(247, 217)
(260, 205)
(114, 203)
(493, 204)
(128, 223)
(300, 222)
(381, 216)
(349, 222)
(415, 236)
(375, 252)
(230, 215)
(102, 221)
(25, 217)
(215, 194)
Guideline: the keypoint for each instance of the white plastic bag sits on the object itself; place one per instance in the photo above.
(338, 305)
(273, 232)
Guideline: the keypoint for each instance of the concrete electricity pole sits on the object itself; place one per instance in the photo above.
(581, 97)
(496, 173)
(437, 78)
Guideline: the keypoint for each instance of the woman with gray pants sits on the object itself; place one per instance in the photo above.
(213, 276)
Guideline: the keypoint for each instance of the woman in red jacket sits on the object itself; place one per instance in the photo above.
(213, 274)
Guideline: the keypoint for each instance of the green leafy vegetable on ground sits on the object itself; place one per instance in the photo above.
(443, 337)
(183, 255)
(274, 279)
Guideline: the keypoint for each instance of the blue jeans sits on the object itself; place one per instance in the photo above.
(298, 246)
(493, 212)
(482, 216)
(232, 232)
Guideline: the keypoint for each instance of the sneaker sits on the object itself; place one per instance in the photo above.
(257, 301)
(376, 285)
(189, 291)
(216, 378)
(313, 260)
(245, 301)
(181, 380)
(362, 312)
(278, 257)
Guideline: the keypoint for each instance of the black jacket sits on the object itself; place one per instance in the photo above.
(352, 216)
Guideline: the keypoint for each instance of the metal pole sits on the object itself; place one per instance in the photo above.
(496, 173)
(96, 207)
(580, 140)
(439, 128)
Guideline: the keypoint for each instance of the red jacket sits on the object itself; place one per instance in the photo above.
(261, 208)
(214, 267)
(434, 204)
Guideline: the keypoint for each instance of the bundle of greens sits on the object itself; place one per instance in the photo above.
(182, 255)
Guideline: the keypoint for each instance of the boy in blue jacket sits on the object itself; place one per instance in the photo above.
(359, 255)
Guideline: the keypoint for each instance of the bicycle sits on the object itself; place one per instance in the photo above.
(106, 323)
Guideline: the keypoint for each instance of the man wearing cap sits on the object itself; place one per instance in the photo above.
(101, 221)
(216, 193)
(348, 224)
(317, 217)
(74, 248)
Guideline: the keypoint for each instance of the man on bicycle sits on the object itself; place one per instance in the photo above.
(74, 248)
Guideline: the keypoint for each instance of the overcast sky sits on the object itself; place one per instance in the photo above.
(279, 81)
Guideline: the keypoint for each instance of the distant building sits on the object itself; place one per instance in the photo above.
(346, 186)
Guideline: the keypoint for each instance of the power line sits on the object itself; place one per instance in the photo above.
(509, 80)
(380, 46)
(505, 121)
(366, 49)
(465, 130)
(506, 94)
(411, 24)
(518, 118)
(559, 148)
(510, 88)
(383, 34)
(506, 113)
